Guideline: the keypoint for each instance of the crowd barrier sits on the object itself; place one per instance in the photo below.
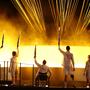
(5, 75)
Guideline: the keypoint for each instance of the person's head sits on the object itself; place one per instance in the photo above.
(88, 57)
(14, 53)
(44, 62)
(67, 48)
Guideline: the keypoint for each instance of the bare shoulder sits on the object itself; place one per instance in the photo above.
(71, 53)
(86, 62)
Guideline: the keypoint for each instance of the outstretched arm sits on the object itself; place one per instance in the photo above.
(61, 51)
(36, 62)
(17, 52)
(58, 37)
(59, 41)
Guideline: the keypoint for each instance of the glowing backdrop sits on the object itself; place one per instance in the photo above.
(50, 53)
(67, 14)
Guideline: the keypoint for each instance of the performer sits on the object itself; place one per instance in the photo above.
(87, 71)
(13, 67)
(68, 62)
(43, 72)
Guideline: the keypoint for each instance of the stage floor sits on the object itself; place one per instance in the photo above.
(77, 84)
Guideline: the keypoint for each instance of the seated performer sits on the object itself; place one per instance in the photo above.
(43, 71)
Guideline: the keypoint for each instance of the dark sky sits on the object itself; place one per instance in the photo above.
(7, 6)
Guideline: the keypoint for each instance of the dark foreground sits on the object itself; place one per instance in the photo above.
(77, 85)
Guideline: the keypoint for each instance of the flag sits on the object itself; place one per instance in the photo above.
(2, 41)
(35, 52)
(18, 41)
(59, 36)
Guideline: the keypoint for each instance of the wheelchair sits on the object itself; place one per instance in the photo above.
(42, 80)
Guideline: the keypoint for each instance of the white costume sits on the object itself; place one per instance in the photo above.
(67, 63)
(13, 66)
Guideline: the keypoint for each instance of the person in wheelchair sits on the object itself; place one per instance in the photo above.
(43, 73)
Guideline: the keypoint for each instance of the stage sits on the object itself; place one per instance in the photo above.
(75, 84)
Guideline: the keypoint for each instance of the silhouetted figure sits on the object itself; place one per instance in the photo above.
(43, 72)
(68, 64)
(87, 71)
(13, 67)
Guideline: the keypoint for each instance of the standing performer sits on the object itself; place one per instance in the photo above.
(68, 63)
(13, 67)
(87, 71)
(14, 64)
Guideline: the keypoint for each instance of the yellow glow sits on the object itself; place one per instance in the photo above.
(50, 53)
(33, 14)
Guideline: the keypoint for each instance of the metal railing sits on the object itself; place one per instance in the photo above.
(5, 75)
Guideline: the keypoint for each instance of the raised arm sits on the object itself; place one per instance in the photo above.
(58, 37)
(59, 41)
(17, 52)
(61, 51)
(36, 62)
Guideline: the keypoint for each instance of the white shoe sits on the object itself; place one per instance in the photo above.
(87, 86)
(65, 85)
